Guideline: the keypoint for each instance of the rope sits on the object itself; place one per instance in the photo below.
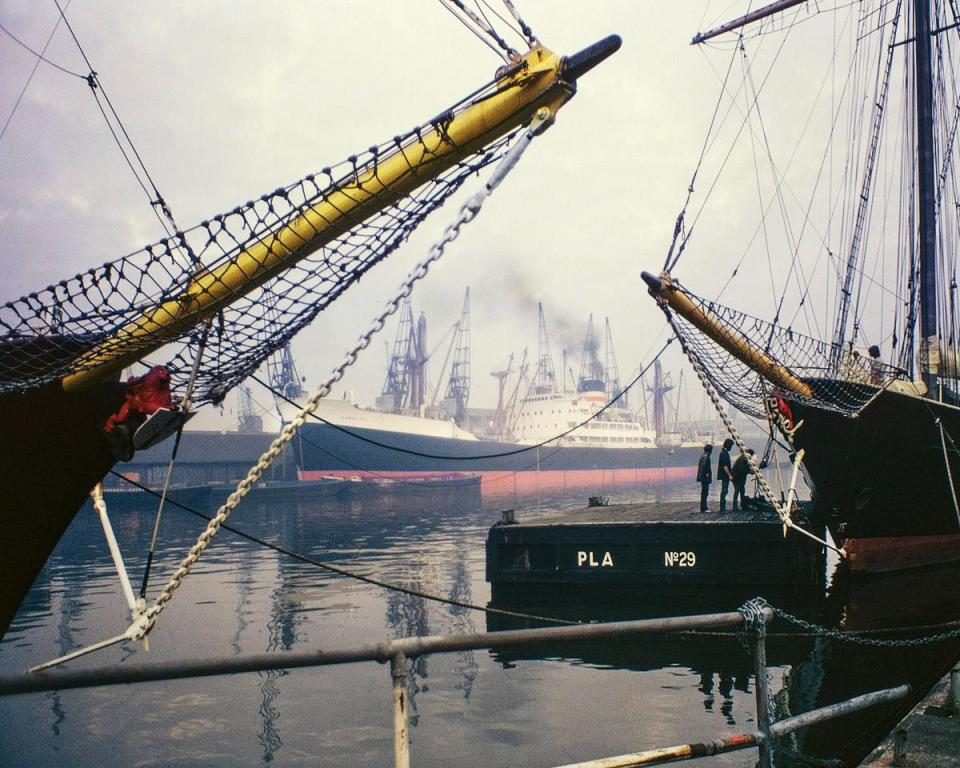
(185, 404)
(524, 27)
(33, 72)
(156, 200)
(340, 571)
(40, 56)
(511, 53)
(946, 464)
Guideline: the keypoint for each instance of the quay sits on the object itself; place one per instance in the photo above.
(624, 546)
(930, 733)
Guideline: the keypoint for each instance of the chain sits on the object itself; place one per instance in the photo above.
(468, 211)
(837, 634)
(754, 619)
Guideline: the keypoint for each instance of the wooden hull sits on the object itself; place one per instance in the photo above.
(883, 481)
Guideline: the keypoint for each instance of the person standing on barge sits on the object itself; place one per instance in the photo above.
(724, 475)
(704, 476)
(741, 470)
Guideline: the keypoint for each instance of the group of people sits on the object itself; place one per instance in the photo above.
(728, 473)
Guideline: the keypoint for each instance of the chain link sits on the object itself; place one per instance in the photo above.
(468, 212)
(754, 618)
(848, 637)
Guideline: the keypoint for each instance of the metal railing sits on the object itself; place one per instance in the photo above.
(399, 652)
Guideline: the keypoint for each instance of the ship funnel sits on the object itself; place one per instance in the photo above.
(580, 63)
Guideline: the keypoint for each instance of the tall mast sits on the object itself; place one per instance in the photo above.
(926, 189)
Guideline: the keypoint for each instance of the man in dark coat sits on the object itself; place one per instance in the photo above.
(704, 476)
(724, 474)
(741, 470)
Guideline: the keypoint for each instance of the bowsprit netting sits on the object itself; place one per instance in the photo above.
(111, 310)
(843, 382)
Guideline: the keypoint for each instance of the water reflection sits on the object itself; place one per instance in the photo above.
(813, 671)
(565, 703)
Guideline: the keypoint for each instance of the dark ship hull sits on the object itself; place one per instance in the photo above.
(55, 452)
(885, 480)
(505, 468)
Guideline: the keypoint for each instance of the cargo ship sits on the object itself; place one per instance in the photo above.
(553, 439)
(355, 442)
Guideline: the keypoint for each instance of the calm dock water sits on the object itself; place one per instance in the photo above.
(563, 705)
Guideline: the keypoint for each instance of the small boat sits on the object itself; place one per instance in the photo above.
(873, 410)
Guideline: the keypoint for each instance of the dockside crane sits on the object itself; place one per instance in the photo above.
(610, 369)
(591, 371)
(499, 425)
(458, 385)
(545, 379)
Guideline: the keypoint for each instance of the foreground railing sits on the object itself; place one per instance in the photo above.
(752, 619)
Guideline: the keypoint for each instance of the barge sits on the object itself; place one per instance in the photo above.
(626, 548)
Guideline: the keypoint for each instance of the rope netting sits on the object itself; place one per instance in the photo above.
(65, 328)
(841, 381)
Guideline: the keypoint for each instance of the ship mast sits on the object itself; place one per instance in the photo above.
(926, 193)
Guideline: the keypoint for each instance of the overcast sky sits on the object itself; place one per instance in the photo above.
(228, 100)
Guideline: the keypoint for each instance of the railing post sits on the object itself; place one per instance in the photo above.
(763, 709)
(401, 742)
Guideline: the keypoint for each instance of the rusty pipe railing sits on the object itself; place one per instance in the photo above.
(398, 652)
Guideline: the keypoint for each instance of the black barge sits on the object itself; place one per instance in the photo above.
(625, 548)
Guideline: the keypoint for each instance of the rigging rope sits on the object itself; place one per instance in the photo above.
(36, 66)
(784, 510)
(511, 54)
(346, 571)
(156, 200)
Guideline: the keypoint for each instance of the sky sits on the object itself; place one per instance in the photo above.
(228, 100)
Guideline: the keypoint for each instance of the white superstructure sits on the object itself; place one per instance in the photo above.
(544, 416)
(346, 414)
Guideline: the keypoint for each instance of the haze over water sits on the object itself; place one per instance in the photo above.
(468, 709)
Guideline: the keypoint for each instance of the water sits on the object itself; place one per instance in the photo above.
(563, 705)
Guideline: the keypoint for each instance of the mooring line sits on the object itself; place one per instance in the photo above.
(352, 574)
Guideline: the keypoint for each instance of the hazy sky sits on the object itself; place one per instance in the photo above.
(228, 100)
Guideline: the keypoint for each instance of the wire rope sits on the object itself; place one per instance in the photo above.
(26, 85)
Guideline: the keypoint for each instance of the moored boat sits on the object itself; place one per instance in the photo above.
(877, 434)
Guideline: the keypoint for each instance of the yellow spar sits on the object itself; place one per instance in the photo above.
(666, 292)
(539, 79)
